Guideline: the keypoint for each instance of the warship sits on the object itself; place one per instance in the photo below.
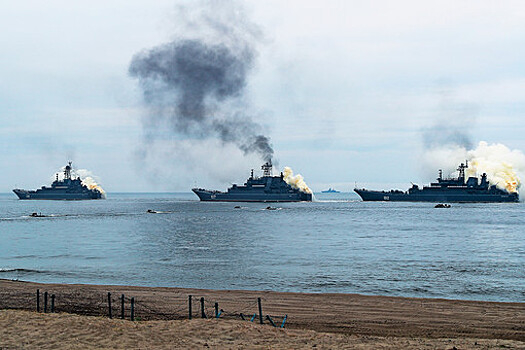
(331, 190)
(66, 189)
(445, 190)
(266, 188)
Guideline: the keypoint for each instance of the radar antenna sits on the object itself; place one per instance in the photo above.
(267, 168)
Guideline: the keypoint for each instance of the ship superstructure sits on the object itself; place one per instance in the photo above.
(445, 190)
(68, 188)
(267, 188)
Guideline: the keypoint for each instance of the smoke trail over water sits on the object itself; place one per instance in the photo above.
(198, 87)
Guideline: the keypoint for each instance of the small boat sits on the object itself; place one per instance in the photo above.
(442, 205)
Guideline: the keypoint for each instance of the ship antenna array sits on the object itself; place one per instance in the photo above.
(67, 171)
(462, 168)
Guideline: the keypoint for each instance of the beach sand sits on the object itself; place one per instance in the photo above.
(314, 320)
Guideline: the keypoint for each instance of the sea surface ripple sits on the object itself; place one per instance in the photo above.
(337, 244)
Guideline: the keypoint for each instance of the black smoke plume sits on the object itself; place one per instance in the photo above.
(199, 88)
(452, 125)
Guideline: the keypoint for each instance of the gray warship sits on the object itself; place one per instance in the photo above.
(266, 188)
(445, 190)
(66, 189)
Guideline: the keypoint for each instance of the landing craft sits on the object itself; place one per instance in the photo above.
(266, 188)
(66, 189)
(445, 190)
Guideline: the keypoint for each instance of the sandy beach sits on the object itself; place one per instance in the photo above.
(323, 320)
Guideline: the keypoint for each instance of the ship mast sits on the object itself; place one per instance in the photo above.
(67, 172)
(267, 168)
(461, 170)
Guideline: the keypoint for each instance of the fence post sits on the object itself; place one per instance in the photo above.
(122, 306)
(260, 310)
(109, 305)
(38, 300)
(52, 303)
(216, 310)
(45, 302)
(284, 321)
(270, 319)
(203, 314)
(133, 309)
(189, 306)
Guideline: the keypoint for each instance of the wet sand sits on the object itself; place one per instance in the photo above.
(313, 319)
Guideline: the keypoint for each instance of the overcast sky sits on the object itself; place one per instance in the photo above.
(345, 89)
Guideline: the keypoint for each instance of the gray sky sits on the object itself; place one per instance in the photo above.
(344, 89)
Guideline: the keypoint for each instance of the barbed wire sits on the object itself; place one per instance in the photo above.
(95, 302)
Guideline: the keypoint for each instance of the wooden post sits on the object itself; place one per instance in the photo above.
(260, 311)
(216, 310)
(45, 302)
(109, 305)
(133, 309)
(52, 303)
(38, 300)
(189, 306)
(203, 314)
(122, 306)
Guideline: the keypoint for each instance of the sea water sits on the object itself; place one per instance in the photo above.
(336, 244)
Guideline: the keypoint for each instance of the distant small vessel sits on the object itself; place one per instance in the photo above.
(452, 190)
(442, 205)
(266, 188)
(66, 189)
(331, 190)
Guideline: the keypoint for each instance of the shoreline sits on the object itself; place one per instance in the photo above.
(347, 314)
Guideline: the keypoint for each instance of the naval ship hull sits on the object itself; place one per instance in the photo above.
(437, 197)
(56, 195)
(216, 196)
(69, 188)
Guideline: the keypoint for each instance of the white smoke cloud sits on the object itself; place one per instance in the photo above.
(296, 181)
(87, 177)
(504, 167)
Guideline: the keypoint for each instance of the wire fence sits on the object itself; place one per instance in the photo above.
(176, 306)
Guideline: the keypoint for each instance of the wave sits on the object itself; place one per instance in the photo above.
(7, 270)
(41, 216)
